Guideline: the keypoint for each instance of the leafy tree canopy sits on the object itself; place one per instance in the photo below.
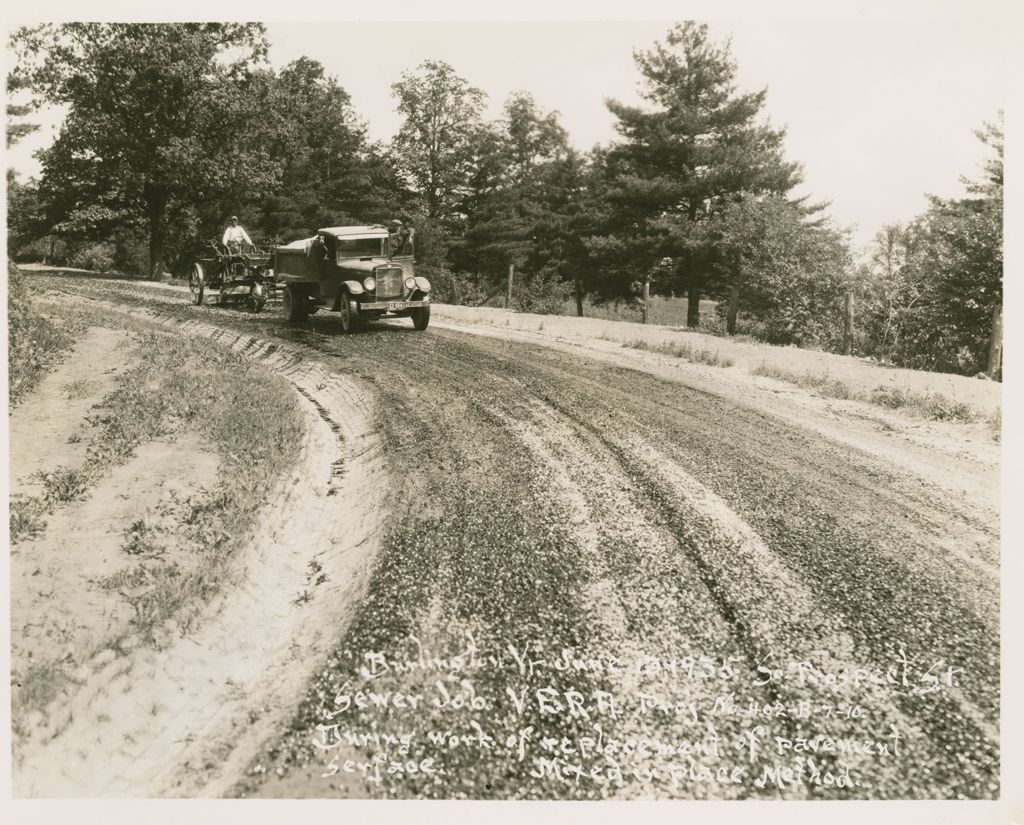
(162, 117)
(441, 118)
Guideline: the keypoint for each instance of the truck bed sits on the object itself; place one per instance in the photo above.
(293, 266)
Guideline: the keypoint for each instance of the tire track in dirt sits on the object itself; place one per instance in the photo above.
(723, 552)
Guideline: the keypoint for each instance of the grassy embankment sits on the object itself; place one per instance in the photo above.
(681, 349)
(671, 312)
(34, 344)
(248, 415)
(931, 406)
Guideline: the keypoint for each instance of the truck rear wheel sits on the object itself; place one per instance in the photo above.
(294, 304)
(420, 317)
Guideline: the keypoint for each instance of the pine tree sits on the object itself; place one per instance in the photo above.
(16, 85)
(694, 146)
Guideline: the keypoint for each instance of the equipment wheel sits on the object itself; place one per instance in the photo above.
(196, 283)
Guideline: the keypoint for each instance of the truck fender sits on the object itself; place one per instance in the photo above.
(349, 287)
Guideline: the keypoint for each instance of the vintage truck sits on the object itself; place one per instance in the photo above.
(360, 272)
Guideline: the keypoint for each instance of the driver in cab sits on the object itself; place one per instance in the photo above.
(401, 238)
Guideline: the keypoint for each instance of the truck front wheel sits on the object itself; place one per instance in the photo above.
(295, 305)
(349, 322)
(421, 317)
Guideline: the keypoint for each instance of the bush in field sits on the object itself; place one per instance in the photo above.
(451, 288)
(96, 257)
(33, 342)
(542, 293)
(48, 249)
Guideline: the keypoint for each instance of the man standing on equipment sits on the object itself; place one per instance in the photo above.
(234, 236)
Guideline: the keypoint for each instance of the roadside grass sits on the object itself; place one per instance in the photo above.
(34, 343)
(248, 415)
(995, 425)
(27, 517)
(933, 406)
(34, 689)
(79, 388)
(688, 352)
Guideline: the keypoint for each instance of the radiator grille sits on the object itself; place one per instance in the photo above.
(389, 282)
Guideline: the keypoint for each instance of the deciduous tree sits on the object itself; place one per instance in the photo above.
(161, 117)
(332, 174)
(934, 288)
(441, 117)
(784, 267)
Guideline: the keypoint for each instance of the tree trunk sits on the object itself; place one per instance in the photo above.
(693, 306)
(647, 299)
(579, 296)
(848, 324)
(156, 212)
(156, 253)
(995, 344)
(734, 306)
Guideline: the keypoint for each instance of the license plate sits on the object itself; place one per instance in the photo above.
(392, 305)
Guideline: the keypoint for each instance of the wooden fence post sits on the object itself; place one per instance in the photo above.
(734, 308)
(508, 293)
(647, 299)
(995, 343)
(848, 324)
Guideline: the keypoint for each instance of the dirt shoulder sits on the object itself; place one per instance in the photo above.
(110, 668)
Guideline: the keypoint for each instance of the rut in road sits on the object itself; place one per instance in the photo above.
(541, 496)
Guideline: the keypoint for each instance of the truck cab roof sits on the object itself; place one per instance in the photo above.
(374, 231)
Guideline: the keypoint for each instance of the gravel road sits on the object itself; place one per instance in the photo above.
(647, 546)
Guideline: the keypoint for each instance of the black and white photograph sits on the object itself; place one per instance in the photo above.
(543, 405)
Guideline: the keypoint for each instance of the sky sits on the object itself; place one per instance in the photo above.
(879, 112)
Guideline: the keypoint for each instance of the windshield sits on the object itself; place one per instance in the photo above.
(360, 247)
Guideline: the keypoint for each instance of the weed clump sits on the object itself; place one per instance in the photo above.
(933, 406)
(683, 350)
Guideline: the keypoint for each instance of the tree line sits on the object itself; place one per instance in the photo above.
(170, 128)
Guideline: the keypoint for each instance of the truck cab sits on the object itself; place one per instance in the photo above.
(361, 272)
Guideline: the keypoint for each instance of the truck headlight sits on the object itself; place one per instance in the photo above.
(422, 284)
(369, 284)
(410, 282)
